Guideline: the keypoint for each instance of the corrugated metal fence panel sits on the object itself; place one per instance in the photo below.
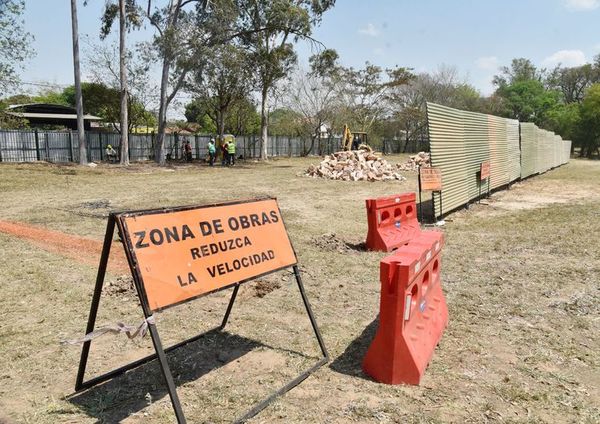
(550, 151)
(19, 146)
(514, 150)
(446, 136)
(528, 149)
(539, 150)
(498, 151)
(558, 149)
(476, 151)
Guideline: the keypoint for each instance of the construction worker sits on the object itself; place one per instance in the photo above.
(212, 151)
(225, 153)
(187, 149)
(231, 151)
(111, 154)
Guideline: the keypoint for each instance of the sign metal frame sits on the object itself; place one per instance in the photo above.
(484, 174)
(421, 189)
(116, 221)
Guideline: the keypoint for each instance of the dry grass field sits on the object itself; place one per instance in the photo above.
(521, 274)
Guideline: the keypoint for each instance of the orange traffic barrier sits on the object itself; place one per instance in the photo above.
(392, 221)
(413, 312)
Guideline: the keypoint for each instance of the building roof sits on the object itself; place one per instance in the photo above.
(47, 111)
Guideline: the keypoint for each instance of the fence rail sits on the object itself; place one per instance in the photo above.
(63, 146)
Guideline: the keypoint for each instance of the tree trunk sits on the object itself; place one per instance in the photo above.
(159, 154)
(264, 125)
(221, 125)
(124, 94)
(78, 96)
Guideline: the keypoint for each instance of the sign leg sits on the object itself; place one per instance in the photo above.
(313, 321)
(166, 371)
(85, 350)
(230, 306)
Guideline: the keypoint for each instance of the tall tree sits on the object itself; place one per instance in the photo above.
(365, 92)
(268, 30)
(572, 82)
(123, 79)
(78, 97)
(183, 35)
(129, 16)
(589, 125)
(102, 62)
(15, 42)
(520, 69)
(312, 95)
(224, 77)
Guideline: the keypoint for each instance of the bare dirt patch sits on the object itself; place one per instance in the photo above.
(74, 247)
(535, 193)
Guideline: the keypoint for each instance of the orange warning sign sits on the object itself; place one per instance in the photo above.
(431, 179)
(484, 170)
(182, 253)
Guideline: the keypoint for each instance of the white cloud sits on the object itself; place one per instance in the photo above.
(369, 30)
(488, 63)
(582, 4)
(566, 58)
(378, 51)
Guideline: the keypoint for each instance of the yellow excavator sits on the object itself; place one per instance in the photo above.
(353, 140)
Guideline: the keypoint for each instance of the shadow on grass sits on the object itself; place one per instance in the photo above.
(425, 212)
(117, 399)
(350, 362)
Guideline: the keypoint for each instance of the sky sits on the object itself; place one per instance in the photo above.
(475, 36)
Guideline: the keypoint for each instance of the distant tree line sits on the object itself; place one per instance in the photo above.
(237, 61)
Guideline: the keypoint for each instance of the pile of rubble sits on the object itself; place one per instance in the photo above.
(420, 159)
(355, 165)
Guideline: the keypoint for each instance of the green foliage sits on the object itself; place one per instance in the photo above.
(285, 122)
(134, 16)
(267, 30)
(8, 121)
(528, 100)
(242, 119)
(572, 82)
(325, 63)
(15, 42)
(564, 119)
(589, 129)
(224, 78)
(520, 70)
(103, 101)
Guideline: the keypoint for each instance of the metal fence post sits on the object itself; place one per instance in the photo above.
(101, 149)
(71, 146)
(47, 146)
(37, 145)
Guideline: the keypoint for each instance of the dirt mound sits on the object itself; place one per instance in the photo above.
(264, 287)
(330, 242)
(121, 287)
(355, 165)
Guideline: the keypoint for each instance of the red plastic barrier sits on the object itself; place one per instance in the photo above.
(392, 221)
(413, 312)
